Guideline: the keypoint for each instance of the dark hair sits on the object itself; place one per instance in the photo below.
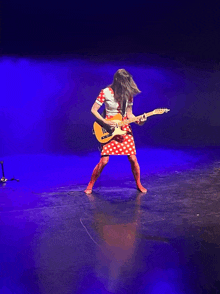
(123, 85)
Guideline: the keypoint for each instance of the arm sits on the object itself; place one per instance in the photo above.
(129, 112)
(95, 112)
(131, 115)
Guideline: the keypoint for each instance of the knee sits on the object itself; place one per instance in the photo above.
(132, 158)
(104, 160)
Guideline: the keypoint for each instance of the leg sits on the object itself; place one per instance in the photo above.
(136, 172)
(96, 173)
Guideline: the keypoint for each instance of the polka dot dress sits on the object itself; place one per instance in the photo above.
(120, 144)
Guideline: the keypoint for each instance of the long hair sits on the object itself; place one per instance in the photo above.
(123, 85)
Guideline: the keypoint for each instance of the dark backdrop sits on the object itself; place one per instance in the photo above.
(57, 56)
(177, 28)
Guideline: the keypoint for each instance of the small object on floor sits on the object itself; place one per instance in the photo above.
(3, 179)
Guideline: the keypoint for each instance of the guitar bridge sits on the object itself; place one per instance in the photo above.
(106, 136)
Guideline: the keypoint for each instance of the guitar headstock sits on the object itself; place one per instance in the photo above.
(161, 110)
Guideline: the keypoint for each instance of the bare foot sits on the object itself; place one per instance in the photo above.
(142, 189)
(88, 191)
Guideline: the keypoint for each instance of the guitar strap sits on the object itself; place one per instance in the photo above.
(103, 114)
(123, 108)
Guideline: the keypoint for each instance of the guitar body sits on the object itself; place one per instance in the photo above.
(104, 136)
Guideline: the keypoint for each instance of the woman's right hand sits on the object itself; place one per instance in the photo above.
(110, 123)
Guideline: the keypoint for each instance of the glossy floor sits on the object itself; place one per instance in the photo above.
(56, 239)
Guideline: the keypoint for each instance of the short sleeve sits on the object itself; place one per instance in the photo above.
(101, 98)
(130, 101)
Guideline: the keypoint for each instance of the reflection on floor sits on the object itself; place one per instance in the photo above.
(56, 239)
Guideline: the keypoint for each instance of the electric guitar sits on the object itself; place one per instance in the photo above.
(104, 134)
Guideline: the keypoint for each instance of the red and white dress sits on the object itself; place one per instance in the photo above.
(120, 144)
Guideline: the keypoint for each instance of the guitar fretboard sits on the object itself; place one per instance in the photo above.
(133, 119)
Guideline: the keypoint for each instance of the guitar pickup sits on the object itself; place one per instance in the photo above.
(104, 131)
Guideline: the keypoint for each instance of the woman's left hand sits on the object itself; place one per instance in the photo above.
(142, 119)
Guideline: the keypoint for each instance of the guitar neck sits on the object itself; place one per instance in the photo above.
(136, 118)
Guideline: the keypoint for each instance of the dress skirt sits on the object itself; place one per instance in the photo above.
(120, 144)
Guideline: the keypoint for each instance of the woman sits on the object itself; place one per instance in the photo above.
(118, 98)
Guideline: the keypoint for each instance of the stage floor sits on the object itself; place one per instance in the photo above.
(56, 239)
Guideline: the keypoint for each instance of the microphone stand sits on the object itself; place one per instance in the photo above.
(3, 179)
